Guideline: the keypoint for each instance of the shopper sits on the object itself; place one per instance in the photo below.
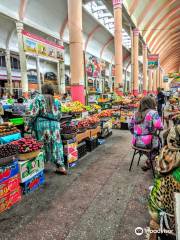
(144, 125)
(160, 101)
(19, 108)
(45, 122)
(167, 182)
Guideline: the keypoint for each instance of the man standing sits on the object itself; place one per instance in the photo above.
(160, 101)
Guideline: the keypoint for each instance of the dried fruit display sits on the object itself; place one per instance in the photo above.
(7, 150)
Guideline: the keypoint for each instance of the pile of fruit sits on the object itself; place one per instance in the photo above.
(126, 114)
(103, 100)
(69, 129)
(84, 123)
(65, 109)
(27, 145)
(95, 107)
(105, 113)
(7, 129)
(75, 107)
(7, 150)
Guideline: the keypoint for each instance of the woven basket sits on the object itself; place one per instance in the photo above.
(28, 156)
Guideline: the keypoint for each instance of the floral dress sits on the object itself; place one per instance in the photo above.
(142, 132)
(46, 127)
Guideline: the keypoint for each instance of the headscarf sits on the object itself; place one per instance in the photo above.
(146, 104)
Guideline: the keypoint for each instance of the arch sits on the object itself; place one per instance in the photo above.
(166, 16)
(173, 54)
(163, 35)
(146, 9)
(22, 9)
(161, 44)
(169, 59)
(166, 38)
(11, 33)
(169, 46)
(171, 50)
(105, 46)
(157, 13)
(174, 64)
(90, 36)
(133, 6)
(63, 27)
(175, 68)
(169, 23)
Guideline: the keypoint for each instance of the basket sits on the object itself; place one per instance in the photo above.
(28, 156)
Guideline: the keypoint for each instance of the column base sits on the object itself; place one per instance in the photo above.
(145, 92)
(135, 92)
(77, 93)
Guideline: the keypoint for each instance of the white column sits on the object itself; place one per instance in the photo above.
(38, 73)
(8, 70)
(22, 58)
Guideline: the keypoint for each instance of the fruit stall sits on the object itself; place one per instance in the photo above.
(83, 129)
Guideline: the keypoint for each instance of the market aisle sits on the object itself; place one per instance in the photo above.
(100, 200)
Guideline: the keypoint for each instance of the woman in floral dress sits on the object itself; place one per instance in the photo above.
(144, 124)
(45, 114)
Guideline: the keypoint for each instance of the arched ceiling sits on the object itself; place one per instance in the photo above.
(159, 24)
(157, 20)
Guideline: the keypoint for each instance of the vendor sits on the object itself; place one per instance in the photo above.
(66, 98)
(19, 107)
(45, 122)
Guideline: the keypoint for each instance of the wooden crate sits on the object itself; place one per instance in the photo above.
(81, 136)
(94, 132)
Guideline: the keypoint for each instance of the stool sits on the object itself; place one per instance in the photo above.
(141, 152)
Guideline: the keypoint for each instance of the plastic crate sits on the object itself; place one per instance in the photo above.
(91, 144)
(82, 151)
(17, 121)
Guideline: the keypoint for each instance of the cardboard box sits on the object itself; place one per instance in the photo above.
(8, 171)
(33, 183)
(30, 168)
(69, 148)
(10, 199)
(94, 132)
(9, 186)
